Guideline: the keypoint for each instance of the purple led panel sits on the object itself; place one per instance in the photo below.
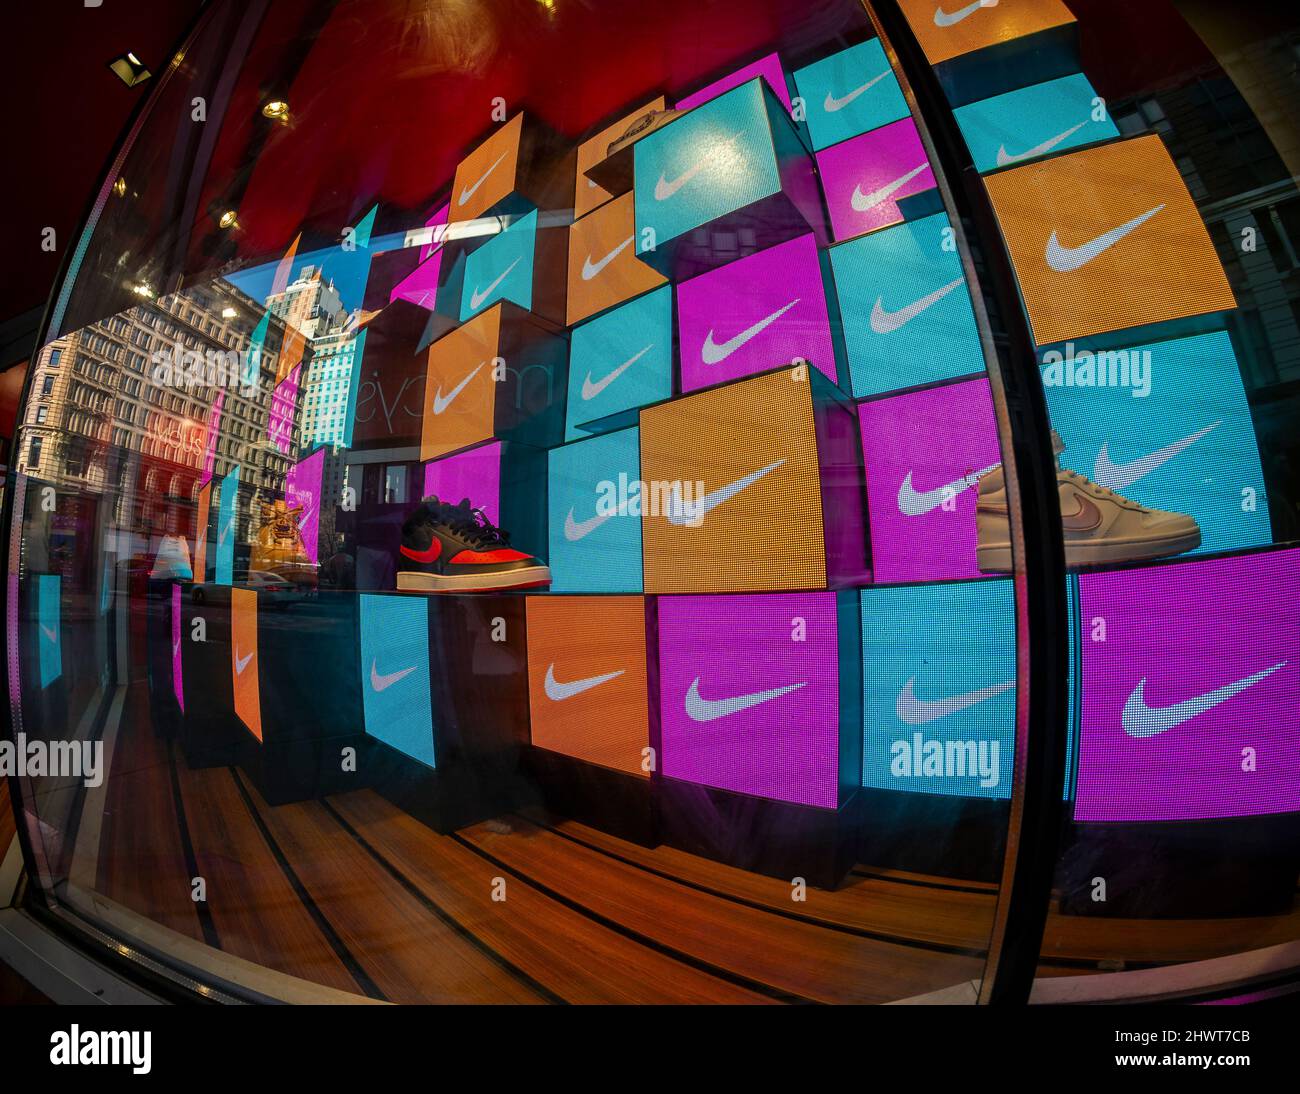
(755, 314)
(178, 682)
(924, 452)
(865, 177)
(475, 474)
(303, 487)
(746, 704)
(768, 67)
(1191, 690)
(284, 401)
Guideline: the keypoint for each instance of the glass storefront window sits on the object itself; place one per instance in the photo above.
(705, 503)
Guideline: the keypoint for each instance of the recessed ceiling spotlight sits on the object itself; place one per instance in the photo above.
(276, 109)
(130, 69)
(228, 219)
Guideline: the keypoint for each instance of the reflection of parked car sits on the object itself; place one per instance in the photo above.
(273, 590)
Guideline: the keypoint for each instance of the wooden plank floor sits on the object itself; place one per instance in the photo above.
(142, 861)
(352, 893)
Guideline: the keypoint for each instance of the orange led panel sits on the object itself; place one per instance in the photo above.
(1107, 238)
(243, 659)
(459, 390)
(587, 195)
(201, 533)
(291, 351)
(950, 28)
(487, 175)
(587, 689)
(734, 491)
(603, 267)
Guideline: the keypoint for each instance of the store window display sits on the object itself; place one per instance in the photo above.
(598, 456)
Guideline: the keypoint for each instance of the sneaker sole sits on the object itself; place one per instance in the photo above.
(418, 582)
(997, 559)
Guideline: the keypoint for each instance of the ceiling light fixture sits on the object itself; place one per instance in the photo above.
(130, 69)
(276, 110)
(228, 219)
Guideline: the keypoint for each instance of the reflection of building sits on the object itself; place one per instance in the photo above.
(329, 380)
(309, 304)
(99, 421)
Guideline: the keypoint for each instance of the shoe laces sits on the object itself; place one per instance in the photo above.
(1083, 480)
(472, 525)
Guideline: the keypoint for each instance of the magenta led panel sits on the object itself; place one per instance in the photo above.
(924, 453)
(1191, 692)
(178, 681)
(284, 401)
(475, 474)
(768, 67)
(303, 487)
(438, 222)
(420, 286)
(865, 177)
(745, 705)
(755, 314)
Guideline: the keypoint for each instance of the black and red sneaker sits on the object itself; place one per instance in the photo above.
(456, 549)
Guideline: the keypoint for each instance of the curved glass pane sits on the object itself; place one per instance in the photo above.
(681, 297)
(1147, 203)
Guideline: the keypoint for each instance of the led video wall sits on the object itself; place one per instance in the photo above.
(760, 449)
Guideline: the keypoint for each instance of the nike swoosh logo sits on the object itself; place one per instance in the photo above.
(50, 633)
(1087, 518)
(1063, 259)
(225, 531)
(917, 712)
(680, 513)
(947, 19)
(1005, 157)
(711, 353)
(665, 189)
(468, 192)
(708, 710)
(591, 390)
(1116, 476)
(1140, 720)
(575, 530)
(476, 298)
(863, 202)
(886, 322)
(592, 269)
(441, 402)
(383, 681)
(241, 663)
(915, 503)
(832, 104)
(559, 691)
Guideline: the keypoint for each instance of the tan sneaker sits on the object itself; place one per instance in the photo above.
(1100, 526)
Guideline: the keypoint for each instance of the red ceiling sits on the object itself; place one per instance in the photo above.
(387, 95)
(66, 113)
